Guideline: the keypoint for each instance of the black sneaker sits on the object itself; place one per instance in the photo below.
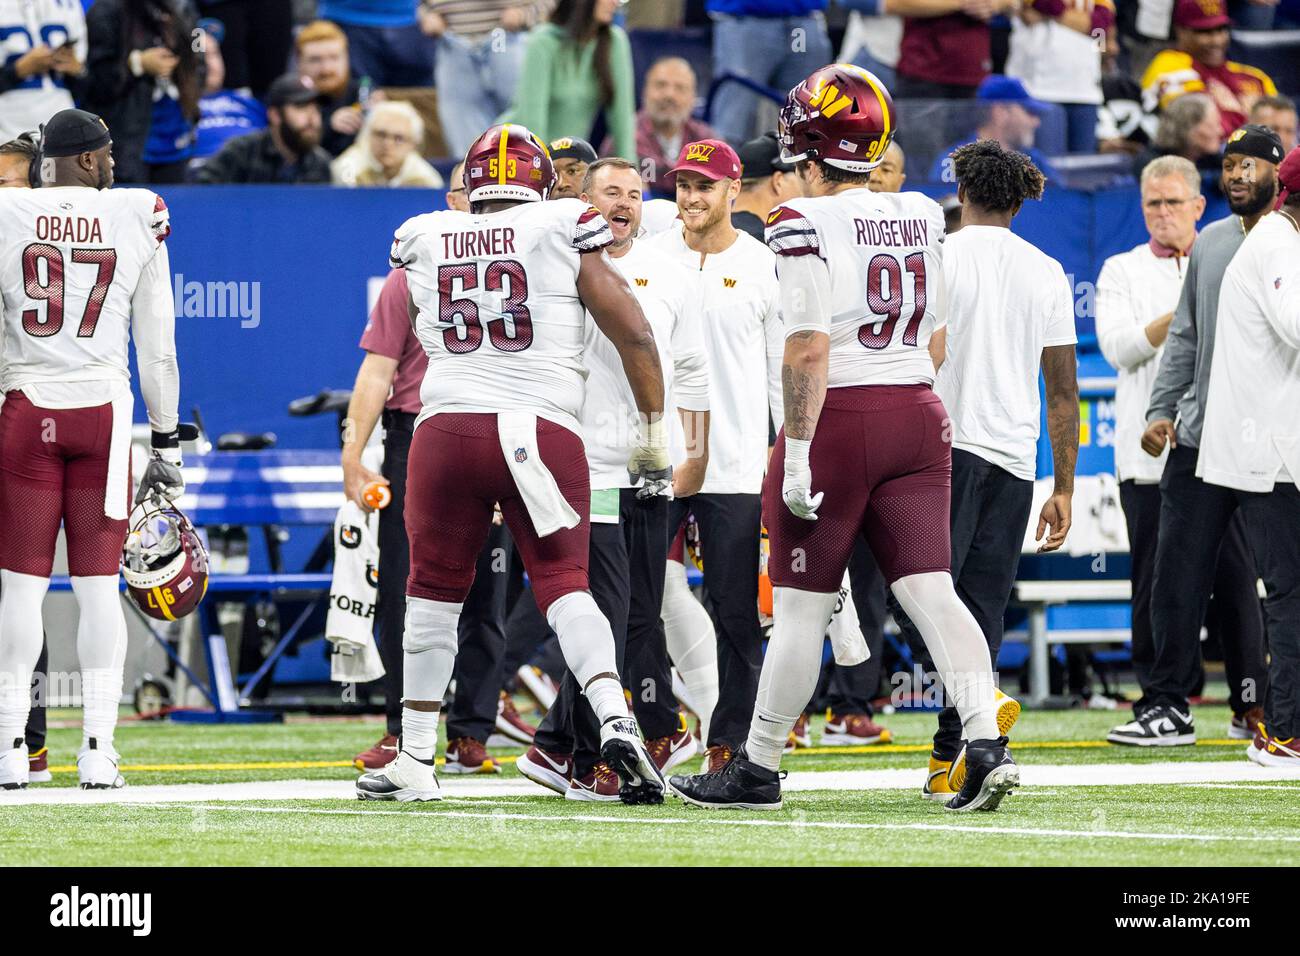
(1161, 726)
(741, 784)
(990, 775)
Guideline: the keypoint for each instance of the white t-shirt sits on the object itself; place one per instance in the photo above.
(666, 293)
(81, 270)
(884, 255)
(25, 24)
(1007, 301)
(1134, 289)
(1057, 64)
(499, 313)
(740, 303)
(1251, 436)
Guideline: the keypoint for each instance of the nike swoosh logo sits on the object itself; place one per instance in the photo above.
(557, 767)
(766, 721)
(673, 746)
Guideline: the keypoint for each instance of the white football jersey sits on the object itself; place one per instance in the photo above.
(71, 261)
(24, 25)
(499, 313)
(883, 251)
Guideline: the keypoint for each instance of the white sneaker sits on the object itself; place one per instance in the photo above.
(622, 749)
(405, 779)
(14, 767)
(97, 767)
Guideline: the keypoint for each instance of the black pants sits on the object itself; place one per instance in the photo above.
(481, 633)
(729, 533)
(990, 511)
(626, 573)
(36, 718)
(849, 690)
(1200, 551)
(1141, 504)
(258, 36)
(1272, 528)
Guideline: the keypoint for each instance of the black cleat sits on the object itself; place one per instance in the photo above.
(990, 775)
(622, 749)
(740, 785)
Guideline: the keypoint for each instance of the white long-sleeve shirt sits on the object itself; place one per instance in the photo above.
(740, 301)
(609, 419)
(1251, 436)
(1134, 289)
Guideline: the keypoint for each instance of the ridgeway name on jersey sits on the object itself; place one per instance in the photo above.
(499, 313)
(883, 251)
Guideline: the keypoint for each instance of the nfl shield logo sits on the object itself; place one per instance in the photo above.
(521, 456)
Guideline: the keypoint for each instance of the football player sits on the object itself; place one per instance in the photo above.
(83, 270)
(497, 297)
(861, 294)
(629, 533)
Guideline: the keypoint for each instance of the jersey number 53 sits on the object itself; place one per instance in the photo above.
(512, 331)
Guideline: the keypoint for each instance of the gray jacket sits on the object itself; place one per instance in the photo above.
(1184, 377)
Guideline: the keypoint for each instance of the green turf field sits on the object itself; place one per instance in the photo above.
(1228, 824)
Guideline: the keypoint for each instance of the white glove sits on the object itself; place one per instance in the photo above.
(796, 488)
(649, 461)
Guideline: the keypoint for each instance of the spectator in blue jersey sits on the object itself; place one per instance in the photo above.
(144, 80)
(42, 49)
(773, 42)
(1009, 115)
(384, 40)
(257, 40)
(223, 113)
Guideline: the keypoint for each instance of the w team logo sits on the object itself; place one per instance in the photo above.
(521, 455)
(699, 152)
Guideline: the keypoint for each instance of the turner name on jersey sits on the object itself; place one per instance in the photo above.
(498, 308)
(883, 252)
(71, 264)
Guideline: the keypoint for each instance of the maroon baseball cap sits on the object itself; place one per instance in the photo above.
(1200, 14)
(711, 158)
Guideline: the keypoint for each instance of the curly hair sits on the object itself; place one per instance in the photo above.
(995, 178)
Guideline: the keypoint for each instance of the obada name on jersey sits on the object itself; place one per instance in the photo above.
(68, 229)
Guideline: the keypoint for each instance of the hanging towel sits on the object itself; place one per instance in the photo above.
(547, 508)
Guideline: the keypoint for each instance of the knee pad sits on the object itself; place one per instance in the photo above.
(430, 626)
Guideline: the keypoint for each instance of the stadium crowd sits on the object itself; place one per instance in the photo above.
(359, 93)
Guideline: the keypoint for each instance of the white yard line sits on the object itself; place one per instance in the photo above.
(513, 786)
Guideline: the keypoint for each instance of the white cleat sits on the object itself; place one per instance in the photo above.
(621, 747)
(97, 767)
(405, 779)
(14, 767)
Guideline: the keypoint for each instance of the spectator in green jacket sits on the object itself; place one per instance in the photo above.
(578, 70)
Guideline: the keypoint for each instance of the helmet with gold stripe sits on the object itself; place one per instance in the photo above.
(841, 115)
(508, 162)
(163, 561)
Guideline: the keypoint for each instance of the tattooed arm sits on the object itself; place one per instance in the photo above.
(1062, 387)
(805, 311)
(803, 381)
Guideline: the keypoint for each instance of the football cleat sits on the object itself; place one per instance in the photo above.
(668, 752)
(1161, 726)
(97, 767)
(938, 784)
(1008, 712)
(380, 755)
(853, 730)
(550, 770)
(14, 767)
(622, 749)
(510, 724)
(990, 775)
(599, 786)
(1270, 751)
(799, 736)
(741, 784)
(406, 779)
(715, 758)
(538, 685)
(467, 755)
(38, 766)
(1242, 726)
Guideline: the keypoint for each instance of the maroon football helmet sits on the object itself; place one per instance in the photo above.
(841, 115)
(163, 561)
(508, 162)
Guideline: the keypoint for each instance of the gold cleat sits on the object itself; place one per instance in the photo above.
(1008, 712)
(937, 786)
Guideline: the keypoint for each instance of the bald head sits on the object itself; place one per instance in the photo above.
(669, 94)
(889, 176)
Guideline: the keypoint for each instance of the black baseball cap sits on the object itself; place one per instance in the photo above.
(72, 132)
(293, 90)
(571, 147)
(761, 156)
(1255, 140)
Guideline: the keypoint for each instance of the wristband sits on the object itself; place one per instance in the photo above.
(796, 450)
(171, 439)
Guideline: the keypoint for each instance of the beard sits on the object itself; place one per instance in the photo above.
(1262, 194)
(299, 141)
